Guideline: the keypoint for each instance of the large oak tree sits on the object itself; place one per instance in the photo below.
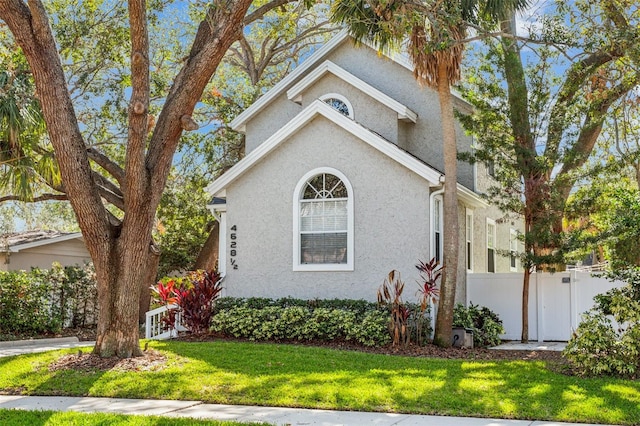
(121, 246)
(540, 128)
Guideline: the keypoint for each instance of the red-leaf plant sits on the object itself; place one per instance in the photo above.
(194, 300)
(430, 274)
(390, 294)
(165, 294)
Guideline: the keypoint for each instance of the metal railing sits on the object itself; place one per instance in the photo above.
(155, 327)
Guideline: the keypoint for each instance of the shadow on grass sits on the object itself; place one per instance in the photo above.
(315, 377)
(300, 376)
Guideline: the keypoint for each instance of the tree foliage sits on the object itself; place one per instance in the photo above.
(115, 119)
(539, 127)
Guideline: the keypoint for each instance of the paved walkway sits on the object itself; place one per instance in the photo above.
(532, 346)
(20, 347)
(198, 409)
(273, 415)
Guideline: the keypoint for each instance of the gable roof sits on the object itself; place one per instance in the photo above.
(319, 108)
(295, 93)
(18, 241)
(239, 123)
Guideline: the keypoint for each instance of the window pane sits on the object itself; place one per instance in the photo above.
(339, 105)
(323, 248)
(491, 267)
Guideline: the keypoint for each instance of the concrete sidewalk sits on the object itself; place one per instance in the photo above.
(272, 415)
(20, 347)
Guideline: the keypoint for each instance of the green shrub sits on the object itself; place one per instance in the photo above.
(373, 330)
(44, 301)
(24, 305)
(486, 325)
(600, 347)
(288, 319)
(359, 307)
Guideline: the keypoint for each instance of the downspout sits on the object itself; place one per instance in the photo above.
(222, 241)
(431, 247)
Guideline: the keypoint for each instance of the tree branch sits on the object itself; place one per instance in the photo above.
(106, 163)
(138, 182)
(262, 10)
(215, 35)
(39, 198)
(32, 32)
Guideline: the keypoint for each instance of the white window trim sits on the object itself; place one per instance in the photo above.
(222, 244)
(468, 240)
(297, 193)
(513, 236)
(495, 267)
(339, 97)
(436, 195)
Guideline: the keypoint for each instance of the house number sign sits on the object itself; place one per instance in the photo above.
(233, 247)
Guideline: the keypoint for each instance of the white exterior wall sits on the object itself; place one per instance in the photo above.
(67, 253)
(555, 307)
(391, 206)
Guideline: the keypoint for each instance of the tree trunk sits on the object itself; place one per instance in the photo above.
(525, 305)
(208, 256)
(119, 295)
(150, 280)
(444, 321)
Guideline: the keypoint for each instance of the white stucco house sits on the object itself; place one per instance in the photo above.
(39, 249)
(342, 182)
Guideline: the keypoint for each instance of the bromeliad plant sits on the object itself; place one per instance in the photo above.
(192, 296)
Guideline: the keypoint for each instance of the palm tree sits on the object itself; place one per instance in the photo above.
(435, 31)
(26, 165)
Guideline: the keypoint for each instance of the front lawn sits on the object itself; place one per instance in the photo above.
(56, 418)
(300, 376)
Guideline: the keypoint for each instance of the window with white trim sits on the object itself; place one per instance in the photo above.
(437, 228)
(339, 103)
(491, 245)
(323, 225)
(469, 239)
(513, 250)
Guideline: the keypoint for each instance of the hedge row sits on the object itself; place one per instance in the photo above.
(44, 301)
(359, 307)
(273, 322)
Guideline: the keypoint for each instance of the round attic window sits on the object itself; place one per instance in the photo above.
(339, 103)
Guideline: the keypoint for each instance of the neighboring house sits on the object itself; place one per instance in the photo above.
(342, 182)
(39, 249)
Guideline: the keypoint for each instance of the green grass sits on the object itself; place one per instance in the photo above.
(55, 418)
(299, 376)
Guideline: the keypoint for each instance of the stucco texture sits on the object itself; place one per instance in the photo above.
(391, 206)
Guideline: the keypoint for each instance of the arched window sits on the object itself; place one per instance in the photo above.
(339, 103)
(323, 224)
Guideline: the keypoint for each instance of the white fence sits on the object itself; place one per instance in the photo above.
(156, 329)
(556, 301)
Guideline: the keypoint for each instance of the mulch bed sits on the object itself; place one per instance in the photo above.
(151, 360)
